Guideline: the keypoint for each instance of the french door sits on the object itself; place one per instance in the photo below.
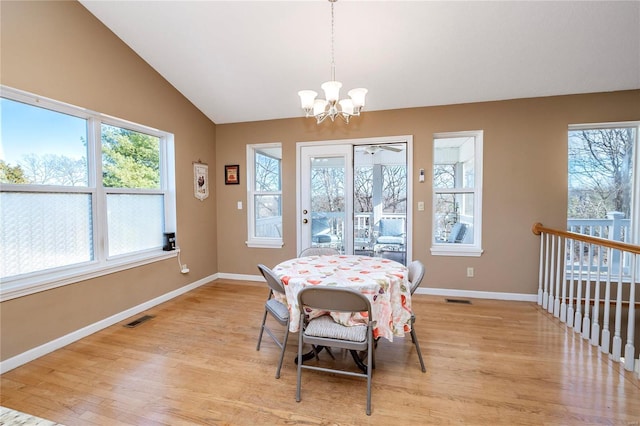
(354, 196)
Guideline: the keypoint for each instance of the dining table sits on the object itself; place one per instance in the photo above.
(383, 281)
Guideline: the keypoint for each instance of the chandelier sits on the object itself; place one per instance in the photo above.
(332, 106)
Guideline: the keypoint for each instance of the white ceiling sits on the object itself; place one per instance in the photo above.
(246, 60)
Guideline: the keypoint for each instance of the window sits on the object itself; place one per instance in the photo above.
(81, 194)
(604, 185)
(457, 194)
(601, 189)
(264, 195)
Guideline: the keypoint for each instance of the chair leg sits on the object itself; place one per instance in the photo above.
(370, 362)
(300, 361)
(328, 349)
(284, 346)
(264, 320)
(414, 337)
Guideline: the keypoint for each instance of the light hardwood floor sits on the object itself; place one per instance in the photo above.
(488, 363)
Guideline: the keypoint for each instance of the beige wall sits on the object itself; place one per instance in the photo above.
(59, 50)
(525, 178)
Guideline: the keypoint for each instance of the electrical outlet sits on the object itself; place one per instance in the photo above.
(185, 269)
(470, 272)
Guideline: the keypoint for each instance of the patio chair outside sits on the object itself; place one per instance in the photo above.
(391, 235)
(318, 251)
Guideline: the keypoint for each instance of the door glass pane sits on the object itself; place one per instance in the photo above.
(44, 230)
(380, 200)
(328, 202)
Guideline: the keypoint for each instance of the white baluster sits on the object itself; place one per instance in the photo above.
(577, 321)
(559, 265)
(571, 286)
(616, 349)
(595, 327)
(629, 349)
(551, 300)
(545, 295)
(540, 269)
(563, 305)
(606, 334)
(586, 321)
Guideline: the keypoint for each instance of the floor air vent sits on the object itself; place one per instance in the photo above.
(139, 321)
(462, 301)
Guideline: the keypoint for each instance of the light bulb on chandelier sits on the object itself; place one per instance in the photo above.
(332, 106)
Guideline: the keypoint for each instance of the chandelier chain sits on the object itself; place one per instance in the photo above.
(333, 61)
(332, 106)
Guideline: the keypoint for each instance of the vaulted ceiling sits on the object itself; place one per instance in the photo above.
(243, 61)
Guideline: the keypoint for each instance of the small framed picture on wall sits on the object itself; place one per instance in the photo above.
(232, 174)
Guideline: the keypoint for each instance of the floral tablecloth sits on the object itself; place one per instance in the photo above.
(383, 281)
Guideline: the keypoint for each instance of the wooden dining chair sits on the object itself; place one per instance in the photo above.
(416, 274)
(278, 310)
(318, 251)
(324, 331)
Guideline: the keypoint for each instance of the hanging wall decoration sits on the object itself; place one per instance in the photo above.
(232, 175)
(200, 180)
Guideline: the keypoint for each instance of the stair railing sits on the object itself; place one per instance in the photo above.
(577, 279)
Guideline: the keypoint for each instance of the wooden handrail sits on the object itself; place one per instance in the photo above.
(538, 228)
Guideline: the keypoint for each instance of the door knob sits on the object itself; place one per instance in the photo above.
(305, 221)
(304, 212)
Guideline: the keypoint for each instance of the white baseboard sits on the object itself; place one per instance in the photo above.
(241, 277)
(30, 355)
(520, 297)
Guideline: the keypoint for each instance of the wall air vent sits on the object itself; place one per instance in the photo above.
(462, 301)
(139, 321)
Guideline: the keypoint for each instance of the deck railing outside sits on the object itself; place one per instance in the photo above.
(615, 227)
(579, 286)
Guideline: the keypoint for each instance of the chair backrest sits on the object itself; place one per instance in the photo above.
(272, 279)
(458, 232)
(318, 251)
(334, 299)
(416, 274)
(391, 227)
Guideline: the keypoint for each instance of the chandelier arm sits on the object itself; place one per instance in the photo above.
(321, 117)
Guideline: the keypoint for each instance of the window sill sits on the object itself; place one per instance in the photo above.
(456, 250)
(276, 243)
(12, 288)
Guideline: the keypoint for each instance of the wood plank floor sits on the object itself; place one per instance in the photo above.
(488, 363)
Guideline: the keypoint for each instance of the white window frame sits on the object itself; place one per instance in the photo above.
(474, 249)
(102, 264)
(252, 240)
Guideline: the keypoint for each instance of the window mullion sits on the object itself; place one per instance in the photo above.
(98, 199)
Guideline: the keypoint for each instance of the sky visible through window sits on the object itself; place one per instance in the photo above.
(29, 130)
